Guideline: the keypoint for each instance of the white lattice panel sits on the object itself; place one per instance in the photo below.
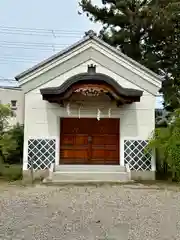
(135, 156)
(41, 152)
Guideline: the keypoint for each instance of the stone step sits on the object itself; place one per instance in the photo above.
(83, 182)
(90, 176)
(89, 168)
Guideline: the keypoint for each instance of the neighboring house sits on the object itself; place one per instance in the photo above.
(90, 110)
(13, 96)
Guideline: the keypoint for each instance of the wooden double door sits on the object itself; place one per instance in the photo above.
(89, 141)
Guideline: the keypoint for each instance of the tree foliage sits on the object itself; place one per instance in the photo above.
(161, 118)
(167, 141)
(16, 136)
(147, 31)
(5, 144)
(5, 114)
(11, 137)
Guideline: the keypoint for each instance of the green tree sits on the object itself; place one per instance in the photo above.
(167, 142)
(147, 31)
(6, 143)
(16, 135)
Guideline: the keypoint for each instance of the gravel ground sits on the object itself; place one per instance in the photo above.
(84, 212)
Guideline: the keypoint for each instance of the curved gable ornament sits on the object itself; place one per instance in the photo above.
(90, 90)
(91, 84)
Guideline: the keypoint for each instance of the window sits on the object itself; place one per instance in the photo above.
(13, 104)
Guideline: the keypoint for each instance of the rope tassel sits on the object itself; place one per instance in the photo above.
(79, 112)
(109, 113)
(68, 109)
(98, 114)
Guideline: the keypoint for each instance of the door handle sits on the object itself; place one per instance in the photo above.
(89, 139)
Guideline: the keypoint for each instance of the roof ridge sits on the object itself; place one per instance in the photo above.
(88, 35)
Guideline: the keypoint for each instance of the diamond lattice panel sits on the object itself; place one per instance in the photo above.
(135, 156)
(41, 152)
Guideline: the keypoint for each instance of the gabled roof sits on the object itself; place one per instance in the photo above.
(88, 36)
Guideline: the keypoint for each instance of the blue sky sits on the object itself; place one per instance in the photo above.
(50, 15)
(20, 47)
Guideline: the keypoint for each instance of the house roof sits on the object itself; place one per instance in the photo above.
(88, 36)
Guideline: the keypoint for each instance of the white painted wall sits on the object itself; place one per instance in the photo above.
(42, 118)
(8, 94)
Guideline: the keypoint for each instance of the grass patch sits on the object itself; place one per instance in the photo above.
(10, 172)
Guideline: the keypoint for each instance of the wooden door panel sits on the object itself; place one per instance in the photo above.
(112, 140)
(67, 140)
(105, 126)
(98, 153)
(103, 162)
(81, 140)
(74, 125)
(70, 139)
(104, 154)
(103, 147)
(74, 147)
(104, 139)
(98, 140)
(77, 161)
(111, 154)
(75, 153)
(111, 147)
